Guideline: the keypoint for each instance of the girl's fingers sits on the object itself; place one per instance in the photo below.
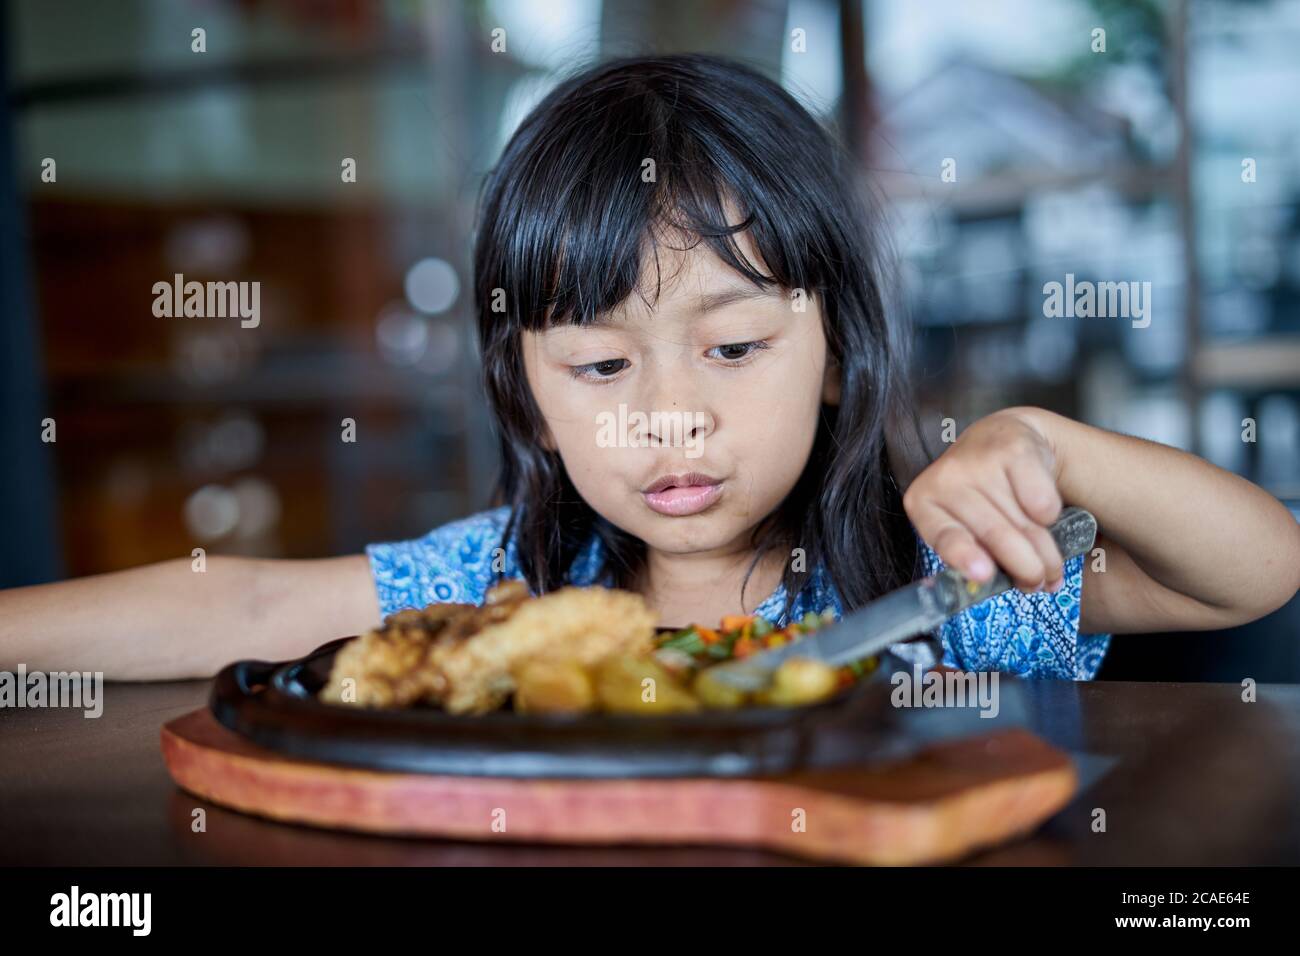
(1038, 536)
(1011, 546)
(953, 542)
(1040, 504)
(970, 515)
(1035, 491)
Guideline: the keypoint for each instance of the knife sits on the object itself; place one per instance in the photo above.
(910, 610)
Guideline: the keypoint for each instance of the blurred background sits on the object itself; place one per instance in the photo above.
(1014, 142)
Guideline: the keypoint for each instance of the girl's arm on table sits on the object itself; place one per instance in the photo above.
(167, 621)
(1188, 546)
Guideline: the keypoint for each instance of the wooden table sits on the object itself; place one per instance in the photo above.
(1189, 774)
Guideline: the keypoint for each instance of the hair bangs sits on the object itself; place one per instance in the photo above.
(583, 230)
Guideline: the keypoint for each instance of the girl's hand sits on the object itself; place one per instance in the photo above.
(990, 498)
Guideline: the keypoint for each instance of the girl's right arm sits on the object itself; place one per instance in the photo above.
(167, 621)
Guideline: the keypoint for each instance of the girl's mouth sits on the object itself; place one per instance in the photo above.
(680, 500)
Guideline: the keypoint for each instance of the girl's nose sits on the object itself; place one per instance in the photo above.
(677, 411)
(675, 426)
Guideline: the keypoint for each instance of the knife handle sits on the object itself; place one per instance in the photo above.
(1074, 531)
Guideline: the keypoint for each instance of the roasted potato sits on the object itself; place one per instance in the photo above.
(715, 694)
(627, 684)
(799, 681)
(553, 687)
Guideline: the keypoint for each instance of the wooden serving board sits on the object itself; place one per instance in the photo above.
(937, 806)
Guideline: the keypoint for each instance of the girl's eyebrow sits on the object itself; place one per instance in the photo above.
(709, 302)
(725, 297)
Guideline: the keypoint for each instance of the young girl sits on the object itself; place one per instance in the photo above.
(675, 241)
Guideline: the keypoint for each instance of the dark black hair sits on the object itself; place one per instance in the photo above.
(565, 218)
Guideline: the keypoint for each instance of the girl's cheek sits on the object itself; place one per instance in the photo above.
(769, 404)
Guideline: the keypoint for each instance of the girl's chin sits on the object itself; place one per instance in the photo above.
(699, 534)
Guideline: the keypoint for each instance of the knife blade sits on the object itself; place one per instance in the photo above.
(914, 609)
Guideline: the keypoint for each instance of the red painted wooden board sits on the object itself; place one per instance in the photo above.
(938, 806)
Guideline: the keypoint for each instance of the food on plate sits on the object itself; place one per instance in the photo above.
(386, 667)
(553, 687)
(465, 660)
(627, 684)
(579, 624)
(800, 681)
(571, 651)
(796, 682)
(715, 694)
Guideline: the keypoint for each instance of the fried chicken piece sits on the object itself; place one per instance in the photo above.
(507, 592)
(462, 656)
(389, 665)
(584, 625)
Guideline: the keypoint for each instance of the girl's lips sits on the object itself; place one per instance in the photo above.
(683, 499)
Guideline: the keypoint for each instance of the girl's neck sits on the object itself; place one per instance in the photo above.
(702, 589)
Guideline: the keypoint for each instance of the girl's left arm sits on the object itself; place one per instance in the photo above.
(1187, 545)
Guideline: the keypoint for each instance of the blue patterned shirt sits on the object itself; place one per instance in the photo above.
(1031, 635)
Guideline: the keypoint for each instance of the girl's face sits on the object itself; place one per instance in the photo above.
(720, 379)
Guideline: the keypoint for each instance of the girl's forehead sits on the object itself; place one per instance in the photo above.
(686, 284)
(683, 308)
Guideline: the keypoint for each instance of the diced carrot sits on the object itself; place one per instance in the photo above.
(734, 622)
(743, 647)
(707, 636)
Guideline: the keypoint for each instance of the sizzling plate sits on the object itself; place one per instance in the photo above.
(275, 706)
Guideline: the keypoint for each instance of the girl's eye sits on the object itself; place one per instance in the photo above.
(733, 354)
(598, 370)
(737, 351)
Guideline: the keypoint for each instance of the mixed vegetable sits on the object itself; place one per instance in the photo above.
(739, 636)
(678, 678)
